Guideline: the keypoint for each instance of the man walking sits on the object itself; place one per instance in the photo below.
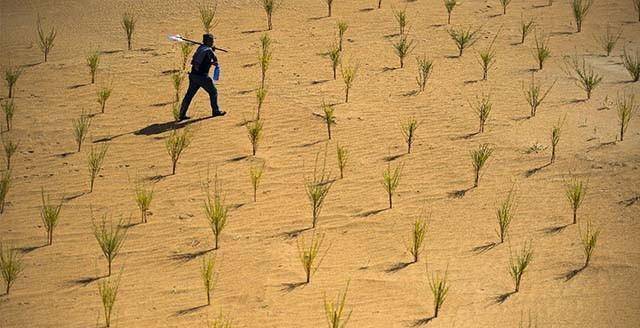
(199, 77)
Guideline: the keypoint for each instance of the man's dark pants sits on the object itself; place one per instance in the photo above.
(197, 81)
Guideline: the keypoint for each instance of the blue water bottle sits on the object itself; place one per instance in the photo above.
(216, 74)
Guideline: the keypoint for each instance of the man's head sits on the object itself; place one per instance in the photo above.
(207, 39)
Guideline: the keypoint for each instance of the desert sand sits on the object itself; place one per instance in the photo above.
(259, 274)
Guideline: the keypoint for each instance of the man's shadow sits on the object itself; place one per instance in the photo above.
(158, 128)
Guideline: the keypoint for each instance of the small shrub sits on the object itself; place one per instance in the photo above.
(541, 52)
(144, 196)
(45, 40)
(10, 149)
(575, 191)
(348, 76)
(504, 4)
(216, 211)
(505, 214)
(103, 96)
(626, 107)
(81, 128)
(555, 139)
(425, 67)
(631, 63)
(11, 76)
(609, 39)
(317, 188)
(208, 275)
(584, 74)
(208, 12)
(329, 117)
(416, 239)
(221, 322)
(108, 289)
(93, 59)
(96, 157)
(479, 158)
(487, 58)
(50, 214)
(175, 111)
(464, 38)
(535, 96)
(401, 18)
(9, 108)
(5, 183)
(177, 78)
(254, 131)
(518, 264)
(449, 5)
(308, 254)
(129, 20)
(176, 144)
(270, 7)
(482, 107)
(265, 56)
(334, 55)
(342, 29)
(409, 132)
(329, 7)
(589, 240)
(185, 51)
(525, 28)
(261, 94)
(10, 266)
(110, 238)
(580, 10)
(335, 312)
(403, 48)
(391, 181)
(343, 156)
(439, 286)
(255, 173)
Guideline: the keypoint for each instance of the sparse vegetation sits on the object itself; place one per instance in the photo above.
(329, 117)
(487, 57)
(334, 55)
(391, 181)
(5, 183)
(254, 131)
(93, 60)
(479, 158)
(586, 78)
(631, 62)
(342, 29)
(464, 38)
(555, 139)
(50, 214)
(11, 76)
(270, 7)
(175, 111)
(208, 275)
(265, 56)
(215, 210)
(261, 94)
(10, 266)
(185, 51)
(177, 78)
(343, 156)
(110, 238)
(518, 264)
(580, 10)
(535, 96)
(403, 48)
(401, 19)
(482, 107)
(9, 108)
(255, 173)
(103, 96)
(425, 67)
(589, 240)
(575, 191)
(96, 157)
(416, 239)
(409, 132)
(108, 290)
(129, 20)
(439, 286)
(221, 322)
(81, 128)
(335, 311)
(609, 39)
(45, 40)
(450, 5)
(348, 76)
(144, 196)
(505, 214)
(504, 4)
(208, 10)
(318, 187)
(541, 52)
(10, 147)
(309, 254)
(176, 144)
(526, 26)
(626, 107)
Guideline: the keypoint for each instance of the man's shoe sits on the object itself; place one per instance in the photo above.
(220, 113)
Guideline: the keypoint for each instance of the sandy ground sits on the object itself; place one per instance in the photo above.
(257, 261)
